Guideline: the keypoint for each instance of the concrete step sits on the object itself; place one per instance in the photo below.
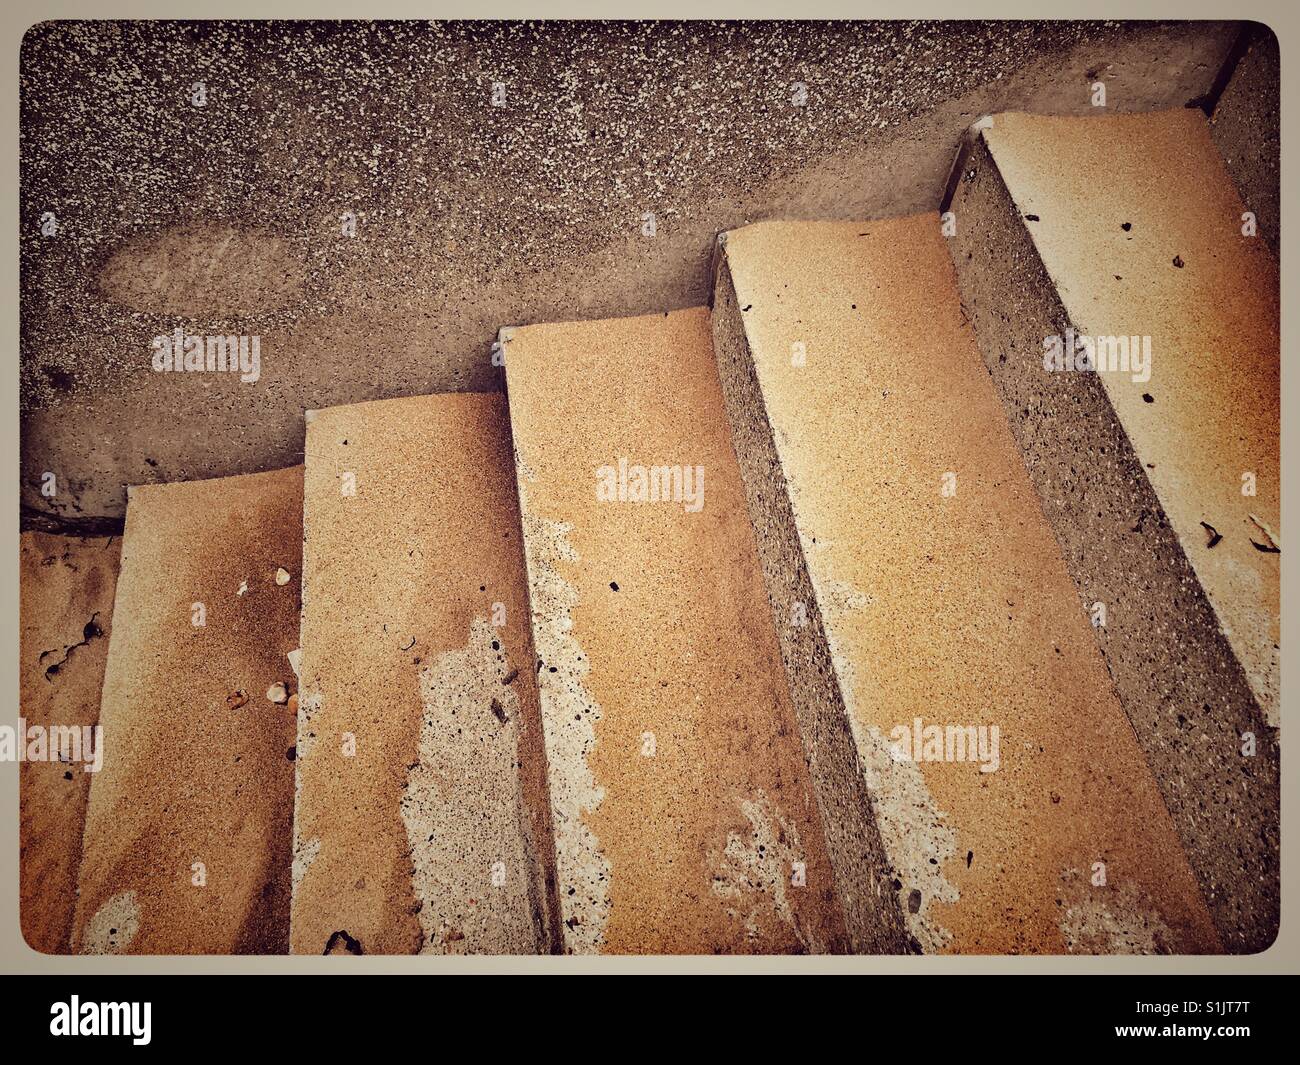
(1161, 483)
(917, 590)
(66, 586)
(421, 815)
(685, 817)
(187, 838)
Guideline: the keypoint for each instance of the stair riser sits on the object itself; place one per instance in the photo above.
(685, 818)
(187, 840)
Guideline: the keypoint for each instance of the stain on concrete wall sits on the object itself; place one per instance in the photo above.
(470, 856)
(113, 927)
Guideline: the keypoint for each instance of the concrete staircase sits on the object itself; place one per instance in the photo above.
(823, 619)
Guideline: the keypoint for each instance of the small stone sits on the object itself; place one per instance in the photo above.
(277, 693)
(236, 699)
(282, 576)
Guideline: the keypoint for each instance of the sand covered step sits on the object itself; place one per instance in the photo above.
(421, 818)
(685, 817)
(918, 592)
(1159, 473)
(187, 841)
(66, 607)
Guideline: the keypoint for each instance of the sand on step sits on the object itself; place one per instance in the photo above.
(685, 816)
(187, 829)
(66, 594)
(421, 820)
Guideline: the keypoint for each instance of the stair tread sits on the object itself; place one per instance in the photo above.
(1208, 298)
(956, 609)
(196, 767)
(66, 591)
(680, 796)
(395, 845)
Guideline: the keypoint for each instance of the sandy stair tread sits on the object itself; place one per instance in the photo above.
(903, 543)
(421, 819)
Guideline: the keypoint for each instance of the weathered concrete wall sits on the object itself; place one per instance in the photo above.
(227, 217)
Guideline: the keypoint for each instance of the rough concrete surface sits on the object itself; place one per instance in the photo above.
(228, 217)
(685, 819)
(1144, 481)
(187, 839)
(66, 589)
(943, 602)
(422, 816)
(1247, 129)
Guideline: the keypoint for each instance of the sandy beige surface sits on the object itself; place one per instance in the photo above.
(953, 608)
(683, 810)
(1207, 296)
(66, 586)
(422, 816)
(187, 842)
